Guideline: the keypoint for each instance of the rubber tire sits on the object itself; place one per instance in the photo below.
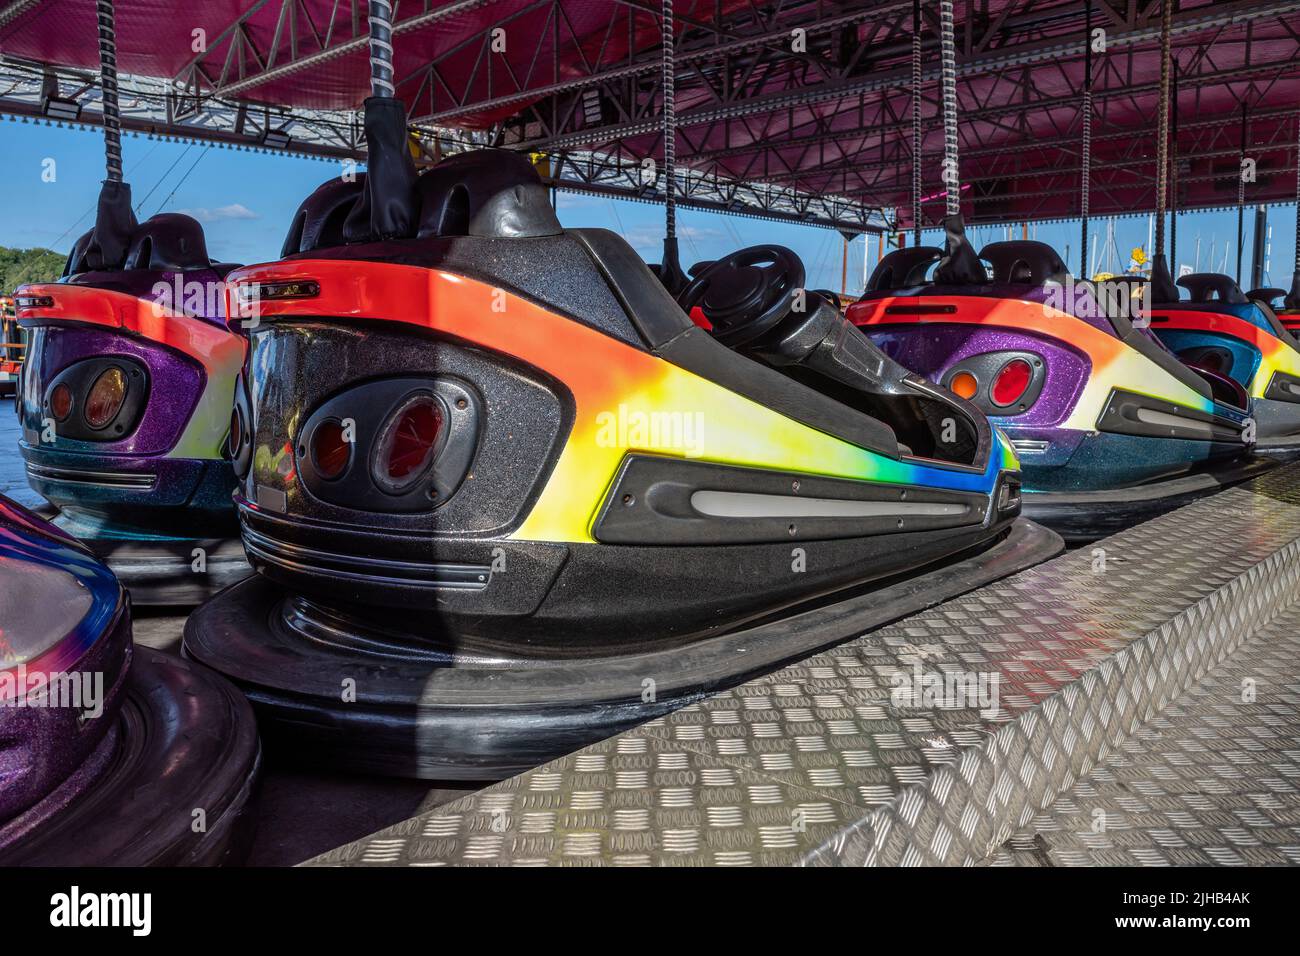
(185, 739)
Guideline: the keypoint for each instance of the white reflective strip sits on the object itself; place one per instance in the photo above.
(1152, 417)
(736, 504)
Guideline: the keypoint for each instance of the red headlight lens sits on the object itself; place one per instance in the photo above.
(236, 440)
(61, 402)
(330, 451)
(105, 398)
(1011, 382)
(407, 443)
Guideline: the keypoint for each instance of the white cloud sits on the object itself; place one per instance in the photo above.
(233, 211)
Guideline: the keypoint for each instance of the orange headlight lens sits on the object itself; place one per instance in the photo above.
(964, 385)
(106, 397)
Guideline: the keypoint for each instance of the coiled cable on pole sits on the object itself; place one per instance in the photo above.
(670, 122)
(1297, 194)
(380, 17)
(916, 121)
(1085, 163)
(1162, 134)
(948, 53)
(108, 86)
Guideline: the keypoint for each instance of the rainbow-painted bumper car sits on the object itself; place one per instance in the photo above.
(125, 405)
(502, 491)
(110, 755)
(1110, 427)
(1221, 329)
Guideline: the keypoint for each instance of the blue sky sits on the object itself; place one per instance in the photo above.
(245, 201)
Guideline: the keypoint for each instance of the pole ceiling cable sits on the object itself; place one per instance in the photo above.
(1085, 162)
(916, 121)
(1292, 300)
(949, 81)
(1241, 193)
(380, 17)
(108, 84)
(670, 123)
(1173, 168)
(1162, 134)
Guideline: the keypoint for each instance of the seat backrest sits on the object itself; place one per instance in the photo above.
(491, 193)
(169, 241)
(1213, 287)
(1269, 296)
(1024, 262)
(485, 193)
(318, 223)
(903, 268)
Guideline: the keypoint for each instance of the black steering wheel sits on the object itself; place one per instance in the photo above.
(747, 293)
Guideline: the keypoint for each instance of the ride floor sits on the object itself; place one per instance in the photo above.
(1147, 706)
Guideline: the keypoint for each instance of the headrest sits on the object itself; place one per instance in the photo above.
(318, 223)
(169, 241)
(1268, 295)
(492, 193)
(1212, 287)
(1024, 262)
(904, 268)
(960, 265)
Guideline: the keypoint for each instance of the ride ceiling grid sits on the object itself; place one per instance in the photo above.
(834, 121)
(814, 764)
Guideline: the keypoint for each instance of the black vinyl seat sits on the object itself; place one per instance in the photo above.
(1210, 287)
(486, 214)
(904, 268)
(166, 242)
(1029, 262)
(1024, 262)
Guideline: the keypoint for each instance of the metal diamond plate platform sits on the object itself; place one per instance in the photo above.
(929, 741)
(1212, 781)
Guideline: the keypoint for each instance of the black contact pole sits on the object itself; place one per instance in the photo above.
(114, 219)
(948, 52)
(380, 18)
(108, 89)
(1173, 168)
(387, 208)
(1241, 196)
(1163, 288)
(916, 122)
(670, 270)
(1086, 159)
(1292, 300)
(960, 264)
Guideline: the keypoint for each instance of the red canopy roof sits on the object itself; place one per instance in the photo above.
(812, 95)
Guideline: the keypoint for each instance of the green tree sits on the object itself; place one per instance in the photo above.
(20, 266)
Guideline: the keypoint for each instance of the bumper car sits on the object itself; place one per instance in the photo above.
(125, 404)
(1110, 427)
(505, 498)
(1221, 329)
(110, 755)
